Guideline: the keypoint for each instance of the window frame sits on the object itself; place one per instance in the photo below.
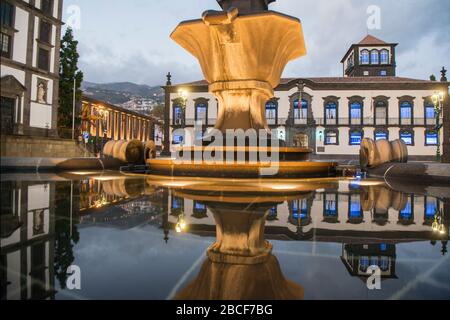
(6, 54)
(362, 54)
(387, 57)
(330, 100)
(12, 16)
(401, 102)
(48, 41)
(50, 10)
(372, 61)
(356, 100)
(430, 131)
(38, 62)
(352, 130)
(385, 101)
(376, 131)
(411, 132)
(197, 103)
(275, 103)
(335, 131)
(176, 103)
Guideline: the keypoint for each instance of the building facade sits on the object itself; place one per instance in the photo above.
(104, 120)
(30, 44)
(331, 115)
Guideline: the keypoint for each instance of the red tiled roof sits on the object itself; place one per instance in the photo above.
(369, 40)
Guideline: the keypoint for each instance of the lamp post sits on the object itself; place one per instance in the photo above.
(438, 100)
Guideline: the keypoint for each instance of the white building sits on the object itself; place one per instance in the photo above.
(30, 43)
(335, 113)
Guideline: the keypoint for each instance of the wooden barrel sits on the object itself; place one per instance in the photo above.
(399, 151)
(384, 199)
(108, 187)
(149, 150)
(399, 200)
(368, 154)
(367, 198)
(116, 150)
(108, 148)
(132, 152)
(384, 151)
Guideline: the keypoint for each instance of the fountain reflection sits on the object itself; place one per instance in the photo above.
(41, 222)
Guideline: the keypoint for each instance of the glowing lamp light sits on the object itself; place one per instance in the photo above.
(178, 228)
(441, 229)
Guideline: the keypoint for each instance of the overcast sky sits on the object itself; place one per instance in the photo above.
(129, 40)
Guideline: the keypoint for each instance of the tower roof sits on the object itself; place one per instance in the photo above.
(371, 40)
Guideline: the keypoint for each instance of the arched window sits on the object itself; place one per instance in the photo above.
(271, 112)
(374, 58)
(330, 205)
(384, 56)
(430, 114)
(355, 212)
(300, 213)
(431, 138)
(364, 56)
(356, 113)
(201, 112)
(331, 137)
(406, 113)
(355, 137)
(381, 112)
(200, 210)
(407, 136)
(406, 216)
(331, 113)
(178, 114)
(381, 135)
(301, 111)
(431, 206)
(273, 213)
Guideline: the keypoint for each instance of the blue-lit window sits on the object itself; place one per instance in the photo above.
(363, 263)
(273, 212)
(384, 263)
(330, 205)
(365, 57)
(381, 135)
(430, 208)
(384, 57)
(177, 115)
(271, 112)
(383, 73)
(177, 203)
(430, 112)
(355, 207)
(178, 139)
(331, 138)
(355, 138)
(201, 112)
(300, 209)
(431, 138)
(199, 206)
(407, 137)
(300, 112)
(331, 113)
(406, 214)
(406, 112)
(374, 58)
(356, 113)
(383, 246)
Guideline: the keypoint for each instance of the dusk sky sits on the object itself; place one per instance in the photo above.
(129, 40)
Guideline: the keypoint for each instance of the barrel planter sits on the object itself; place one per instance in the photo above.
(149, 150)
(108, 148)
(399, 151)
(384, 151)
(131, 152)
(368, 155)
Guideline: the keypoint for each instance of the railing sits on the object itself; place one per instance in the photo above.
(324, 122)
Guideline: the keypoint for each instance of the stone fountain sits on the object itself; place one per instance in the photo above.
(242, 52)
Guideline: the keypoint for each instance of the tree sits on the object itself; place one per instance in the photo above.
(68, 71)
(158, 111)
(432, 77)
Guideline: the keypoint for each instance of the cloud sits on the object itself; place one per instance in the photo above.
(130, 41)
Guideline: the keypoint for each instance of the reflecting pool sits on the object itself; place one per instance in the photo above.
(148, 237)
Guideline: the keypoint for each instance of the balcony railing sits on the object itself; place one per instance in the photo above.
(323, 122)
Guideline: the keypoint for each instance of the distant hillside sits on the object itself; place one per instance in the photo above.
(121, 92)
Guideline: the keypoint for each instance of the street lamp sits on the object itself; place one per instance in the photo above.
(438, 101)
